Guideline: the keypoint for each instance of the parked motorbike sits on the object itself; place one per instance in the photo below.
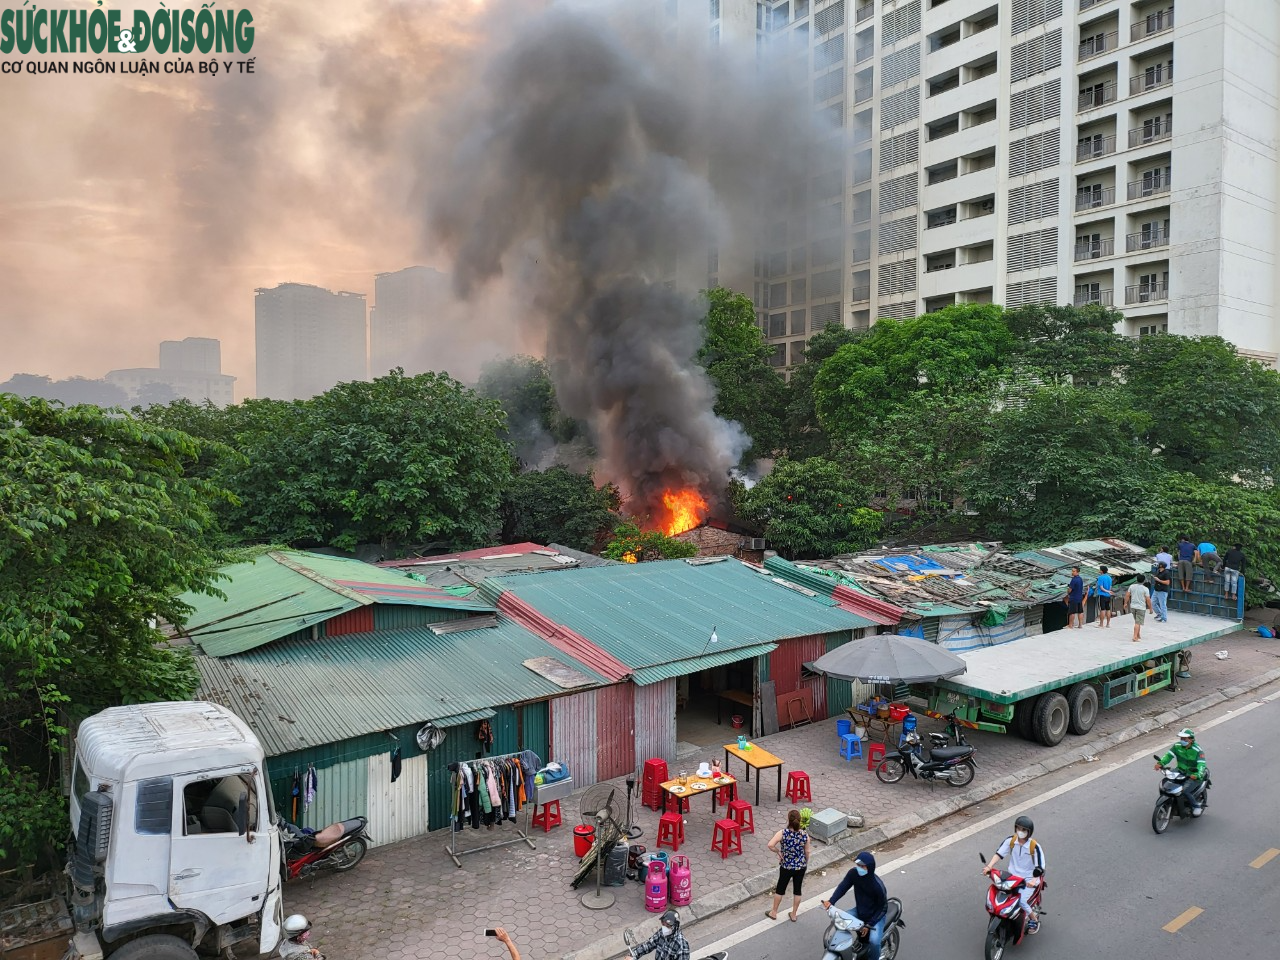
(1176, 790)
(951, 764)
(845, 938)
(339, 846)
(1008, 924)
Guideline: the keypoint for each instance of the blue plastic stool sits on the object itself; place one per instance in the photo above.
(850, 746)
(843, 727)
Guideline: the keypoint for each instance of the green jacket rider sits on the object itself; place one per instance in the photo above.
(1189, 755)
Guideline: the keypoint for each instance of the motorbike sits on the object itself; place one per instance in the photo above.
(1008, 924)
(953, 764)
(1175, 798)
(339, 846)
(845, 938)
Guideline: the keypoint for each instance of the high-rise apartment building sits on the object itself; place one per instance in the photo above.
(190, 369)
(406, 303)
(1021, 151)
(307, 339)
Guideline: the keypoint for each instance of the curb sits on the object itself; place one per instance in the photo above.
(736, 893)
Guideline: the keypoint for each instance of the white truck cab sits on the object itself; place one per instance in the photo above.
(175, 846)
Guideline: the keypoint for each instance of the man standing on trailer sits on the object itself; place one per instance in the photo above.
(1075, 600)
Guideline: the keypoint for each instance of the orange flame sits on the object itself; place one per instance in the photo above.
(685, 510)
(629, 557)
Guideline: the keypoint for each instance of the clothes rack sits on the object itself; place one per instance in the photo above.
(522, 831)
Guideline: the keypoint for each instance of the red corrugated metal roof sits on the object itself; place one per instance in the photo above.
(506, 550)
(562, 638)
(873, 608)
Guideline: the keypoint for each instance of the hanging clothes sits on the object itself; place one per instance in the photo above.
(485, 735)
(395, 764)
(310, 784)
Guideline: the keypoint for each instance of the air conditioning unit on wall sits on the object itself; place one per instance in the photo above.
(757, 543)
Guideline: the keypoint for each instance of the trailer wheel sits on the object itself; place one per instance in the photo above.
(1024, 714)
(156, 947)
(1052, 718)
(1083, 701)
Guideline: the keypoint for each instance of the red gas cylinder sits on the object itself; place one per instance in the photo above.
(681, 882)
(584, 836)
(655, 887)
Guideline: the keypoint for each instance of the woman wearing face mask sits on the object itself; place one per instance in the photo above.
(870, 899)
(668, 943)
(1025, 857)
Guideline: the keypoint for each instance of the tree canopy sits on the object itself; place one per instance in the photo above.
(811, 508)
(523, 387)
(633, 545)
(558, 506)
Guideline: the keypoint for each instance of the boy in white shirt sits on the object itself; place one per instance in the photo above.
(1025, 858)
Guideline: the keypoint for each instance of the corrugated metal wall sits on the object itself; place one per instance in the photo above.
(615, 730)
(460, 743)
(786, 664)
(397, 811)
(395, 616)
(342, 791)
(839, 692)
(573, 735)
(655, 722)
(535, 728)
(359, 620)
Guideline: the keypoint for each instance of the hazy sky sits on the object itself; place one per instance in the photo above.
(138, 209)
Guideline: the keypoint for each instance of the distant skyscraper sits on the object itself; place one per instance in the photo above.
(404, 303)
(308, 339)
(190, 369)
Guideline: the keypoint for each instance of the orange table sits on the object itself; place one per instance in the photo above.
(757, 759)
(695, 786)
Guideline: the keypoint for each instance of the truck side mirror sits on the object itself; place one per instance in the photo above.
(242, 813)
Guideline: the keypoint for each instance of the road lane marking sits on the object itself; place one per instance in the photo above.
(1182, 919)
(1266, 858)
(1004, 816)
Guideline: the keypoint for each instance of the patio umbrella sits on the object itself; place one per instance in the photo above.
(889, 658)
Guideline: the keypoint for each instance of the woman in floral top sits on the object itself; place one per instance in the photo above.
(792, 847)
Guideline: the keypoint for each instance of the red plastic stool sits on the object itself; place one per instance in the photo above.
(671, 831)
(725, 794)
(727, 838)
(741, 813)
(798, 786)
(875, 753)
(546, 818)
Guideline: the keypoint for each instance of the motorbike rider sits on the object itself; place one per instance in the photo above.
(871, 900)
(297, 931)
(1025, 858)
(668, 943)
(1191, 762)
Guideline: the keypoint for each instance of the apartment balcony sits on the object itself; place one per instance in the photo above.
(1145, 293)
(863, 94)
(1138, 189)
(1148, 240)
(1095, 249)
(1093, 149)
(861, 294)
(864, 51)
(865, 12)
(1150, 133)
(1092, 200)
(1098, 96)
(1096, 46)
(1146, 82)
(962, 276)
(1151, 25)
(1089, 4)
(1085, 297)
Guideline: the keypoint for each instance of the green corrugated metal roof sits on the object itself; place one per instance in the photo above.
(678, 668)
(460, 718)
(650, 614)
(301, 693)
(281, 593)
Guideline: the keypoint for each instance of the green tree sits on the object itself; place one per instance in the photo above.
(1052, 465)
(945, 352)
(1068, 344)
(524, 388)
(633, 545)
(736, 359)
(558, 506)
(804, 434)
(1211, 411)
(399, 460)
(100, 530)
(812, 508)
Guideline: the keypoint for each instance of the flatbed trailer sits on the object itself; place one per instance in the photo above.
(1042, 686)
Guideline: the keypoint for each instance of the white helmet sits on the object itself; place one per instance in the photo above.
(296, 925)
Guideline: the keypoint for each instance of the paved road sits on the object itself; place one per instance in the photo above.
(1116, 888)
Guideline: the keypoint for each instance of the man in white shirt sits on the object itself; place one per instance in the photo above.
(1137, 600)
(1025, 858)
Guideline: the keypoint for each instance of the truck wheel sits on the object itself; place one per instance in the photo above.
(156, 947)
(1053, 716)
(1083, 701)
(1024, 714)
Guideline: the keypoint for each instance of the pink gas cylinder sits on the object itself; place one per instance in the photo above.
(655, 887)
(681, 882)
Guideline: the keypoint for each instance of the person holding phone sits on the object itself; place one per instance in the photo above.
(504, 937)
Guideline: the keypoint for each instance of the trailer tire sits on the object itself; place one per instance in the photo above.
(158, 946)
(1024, 713)
(1053, 717)
(1083, 701)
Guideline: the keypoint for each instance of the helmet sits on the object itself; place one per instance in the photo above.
(295, 925)
(671, 918)
(1186, 733)
(1025, 823)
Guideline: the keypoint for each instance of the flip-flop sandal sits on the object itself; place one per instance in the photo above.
(771, 916)
(791, 918)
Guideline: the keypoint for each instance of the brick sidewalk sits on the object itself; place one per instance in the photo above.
(408, 900)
